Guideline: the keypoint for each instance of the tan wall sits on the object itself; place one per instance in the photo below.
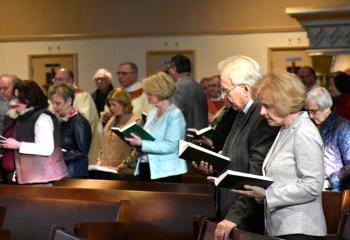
(28, 19)
(109, 52)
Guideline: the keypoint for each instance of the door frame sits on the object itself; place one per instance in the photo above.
(271, 49)
(75, 62)
(168, 54)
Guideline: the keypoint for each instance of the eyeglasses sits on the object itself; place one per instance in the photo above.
(100, 79)
(225, 92)
(58, 79)
(312, 111)
(123, 73)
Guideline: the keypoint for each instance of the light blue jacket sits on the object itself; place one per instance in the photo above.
(163, 152)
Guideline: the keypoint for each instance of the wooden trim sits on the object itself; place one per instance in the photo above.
(48, 37)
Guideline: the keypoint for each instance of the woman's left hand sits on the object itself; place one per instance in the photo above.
(251, 191)
(10, 143)
(134, 140)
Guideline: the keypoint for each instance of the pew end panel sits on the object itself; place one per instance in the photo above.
(104, 230)
(59, 233)
(2, 216)
(331, 204)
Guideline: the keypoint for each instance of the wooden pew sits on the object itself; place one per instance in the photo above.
(31, 215)
(136, 185)
(208, 228)
(332, 206)
(333, 202)
(154, 214)
(104, 230)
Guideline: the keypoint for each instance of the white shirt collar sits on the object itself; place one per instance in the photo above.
(247, 106)
(133, 87)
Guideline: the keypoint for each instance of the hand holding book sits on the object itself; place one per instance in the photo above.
(134, 140)
(251, 191)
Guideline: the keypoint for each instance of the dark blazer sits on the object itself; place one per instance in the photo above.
(247, 144)
(76, 140)
(100, 99)
(189, 97)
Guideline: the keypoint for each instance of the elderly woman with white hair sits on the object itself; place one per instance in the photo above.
(159, 159)
(103, 80)
(335, 133)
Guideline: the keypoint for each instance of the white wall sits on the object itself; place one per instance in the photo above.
(109, 52)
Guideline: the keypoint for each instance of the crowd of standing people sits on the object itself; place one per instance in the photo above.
(282, 125)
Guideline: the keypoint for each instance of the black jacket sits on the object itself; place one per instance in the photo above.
(76, 140)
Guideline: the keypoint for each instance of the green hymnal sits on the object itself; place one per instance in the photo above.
(133, 128)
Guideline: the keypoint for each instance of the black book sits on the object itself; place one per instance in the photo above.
(133, 128)
(236, 180)
(191, 152)
(197, 134)
(144, 117)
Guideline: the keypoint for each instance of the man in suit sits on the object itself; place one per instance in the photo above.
(247, 144)
(189, 96)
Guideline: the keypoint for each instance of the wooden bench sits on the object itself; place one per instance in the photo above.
(135, 185)
(208, 228)
(154, 214)
(331, 203)
(31, 215)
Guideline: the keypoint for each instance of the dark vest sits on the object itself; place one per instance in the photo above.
(35, 168)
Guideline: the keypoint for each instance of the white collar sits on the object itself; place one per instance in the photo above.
(247, 106)
(133, 87)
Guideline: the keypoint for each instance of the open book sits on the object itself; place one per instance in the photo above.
(192, 152)
(133, 128)
(194, 133)
(236, 180)
(102, 168)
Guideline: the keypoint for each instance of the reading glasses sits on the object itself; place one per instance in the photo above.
(226, 92)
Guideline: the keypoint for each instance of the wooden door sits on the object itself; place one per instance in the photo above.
(42, 68)
(156, 60)
(288, 58)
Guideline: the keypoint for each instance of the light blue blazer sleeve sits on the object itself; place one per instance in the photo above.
(167, 132)
(163, 151)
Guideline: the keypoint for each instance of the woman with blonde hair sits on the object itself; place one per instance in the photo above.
(293, 203)
(159, 159)
(116, 154)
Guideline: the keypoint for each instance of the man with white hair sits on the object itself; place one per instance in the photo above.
(247, 144)
(335, 133)
(103, 79)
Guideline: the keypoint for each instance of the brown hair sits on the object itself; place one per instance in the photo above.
(121, 96)
(31, 94)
